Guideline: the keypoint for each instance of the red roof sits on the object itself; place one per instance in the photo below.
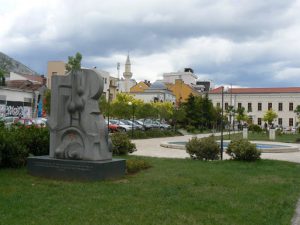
(33, 78)
(257, 90)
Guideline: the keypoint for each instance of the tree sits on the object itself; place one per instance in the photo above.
(241, 115)
(164, 110)
(74, 63)
(297, 111)
(120, 107)
(4, 64)
(270, 116)
(47, 101)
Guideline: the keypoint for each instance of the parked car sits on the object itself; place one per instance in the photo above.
(112, 127)
(8, 121)
(148, 124)
(122, 126)
(135, 125)
(24, 121)
(40, 122)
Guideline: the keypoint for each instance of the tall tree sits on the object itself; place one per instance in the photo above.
(270, 116)
(74, 62)
(297, 111)
(241, 115)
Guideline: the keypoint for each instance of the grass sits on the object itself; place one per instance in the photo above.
(288, 138)
(173, 191)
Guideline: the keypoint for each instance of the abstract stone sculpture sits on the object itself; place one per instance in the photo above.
(77, 129)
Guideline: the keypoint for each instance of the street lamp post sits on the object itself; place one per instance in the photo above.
(108, 109)
(132, 124)
(222, 114)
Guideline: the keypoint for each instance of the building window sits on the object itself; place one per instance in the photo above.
(259, 106)
(259, 121)
(291, 106)
(280, 121)
(269, 105)
(291, 122)
(239, 105)
(218, 104)
(54, 73)
(226, 105)
(249, 107)
(280, 106)
(105, 80)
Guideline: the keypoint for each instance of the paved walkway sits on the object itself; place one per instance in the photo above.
(152, 148)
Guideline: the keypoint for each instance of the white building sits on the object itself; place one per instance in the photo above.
(257, 101)
(187, 76)
(16, 102)
(157, 92)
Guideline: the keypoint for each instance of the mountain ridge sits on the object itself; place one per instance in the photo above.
(12, 65)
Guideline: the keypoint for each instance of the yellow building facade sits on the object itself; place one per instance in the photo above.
(139, 87)
(182, 90)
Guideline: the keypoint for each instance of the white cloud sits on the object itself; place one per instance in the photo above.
(249, 43)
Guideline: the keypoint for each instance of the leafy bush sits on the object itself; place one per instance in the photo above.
(203, 148)
(13, 152)
(122, 145)
(35, 139)
(135, 165)
(190, 129)
(241, 149)
(255, 128)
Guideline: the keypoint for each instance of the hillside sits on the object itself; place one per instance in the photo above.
(12, 65)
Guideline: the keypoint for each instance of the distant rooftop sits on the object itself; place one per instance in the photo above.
(257, 90)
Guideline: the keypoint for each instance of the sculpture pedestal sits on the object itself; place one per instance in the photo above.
(245, 133)
(272, 134)
(44, 166)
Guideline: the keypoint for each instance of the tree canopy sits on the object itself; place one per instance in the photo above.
(74, 62)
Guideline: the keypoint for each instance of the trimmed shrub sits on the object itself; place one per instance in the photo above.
(136, 165)
(122, 145)
(35, 139)
(241, 149)
(203, 148)
(255, 128)
(153, 133)
(13, 152)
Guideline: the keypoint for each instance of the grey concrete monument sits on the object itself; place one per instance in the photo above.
(80, 147)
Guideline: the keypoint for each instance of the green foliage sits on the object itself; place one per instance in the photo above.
(135, 165)
(255, 128)
(35, 139)
(241, 115)
(47, 101)
(199, 112)
(164, 110)
(103, 105)
(74, 63)
(122, 145)
(241, 149)
(17, 142)
(270, 116)
(297, 111)
(153, 133)
(13, 152)
(203, 148)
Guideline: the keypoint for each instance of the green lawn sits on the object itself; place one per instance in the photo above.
(173, 191)
(288, 138)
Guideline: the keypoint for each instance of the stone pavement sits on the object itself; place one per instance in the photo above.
(151, 147)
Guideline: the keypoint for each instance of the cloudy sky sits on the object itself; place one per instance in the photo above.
(250, 43)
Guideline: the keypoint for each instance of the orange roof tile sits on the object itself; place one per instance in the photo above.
(257, 90)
